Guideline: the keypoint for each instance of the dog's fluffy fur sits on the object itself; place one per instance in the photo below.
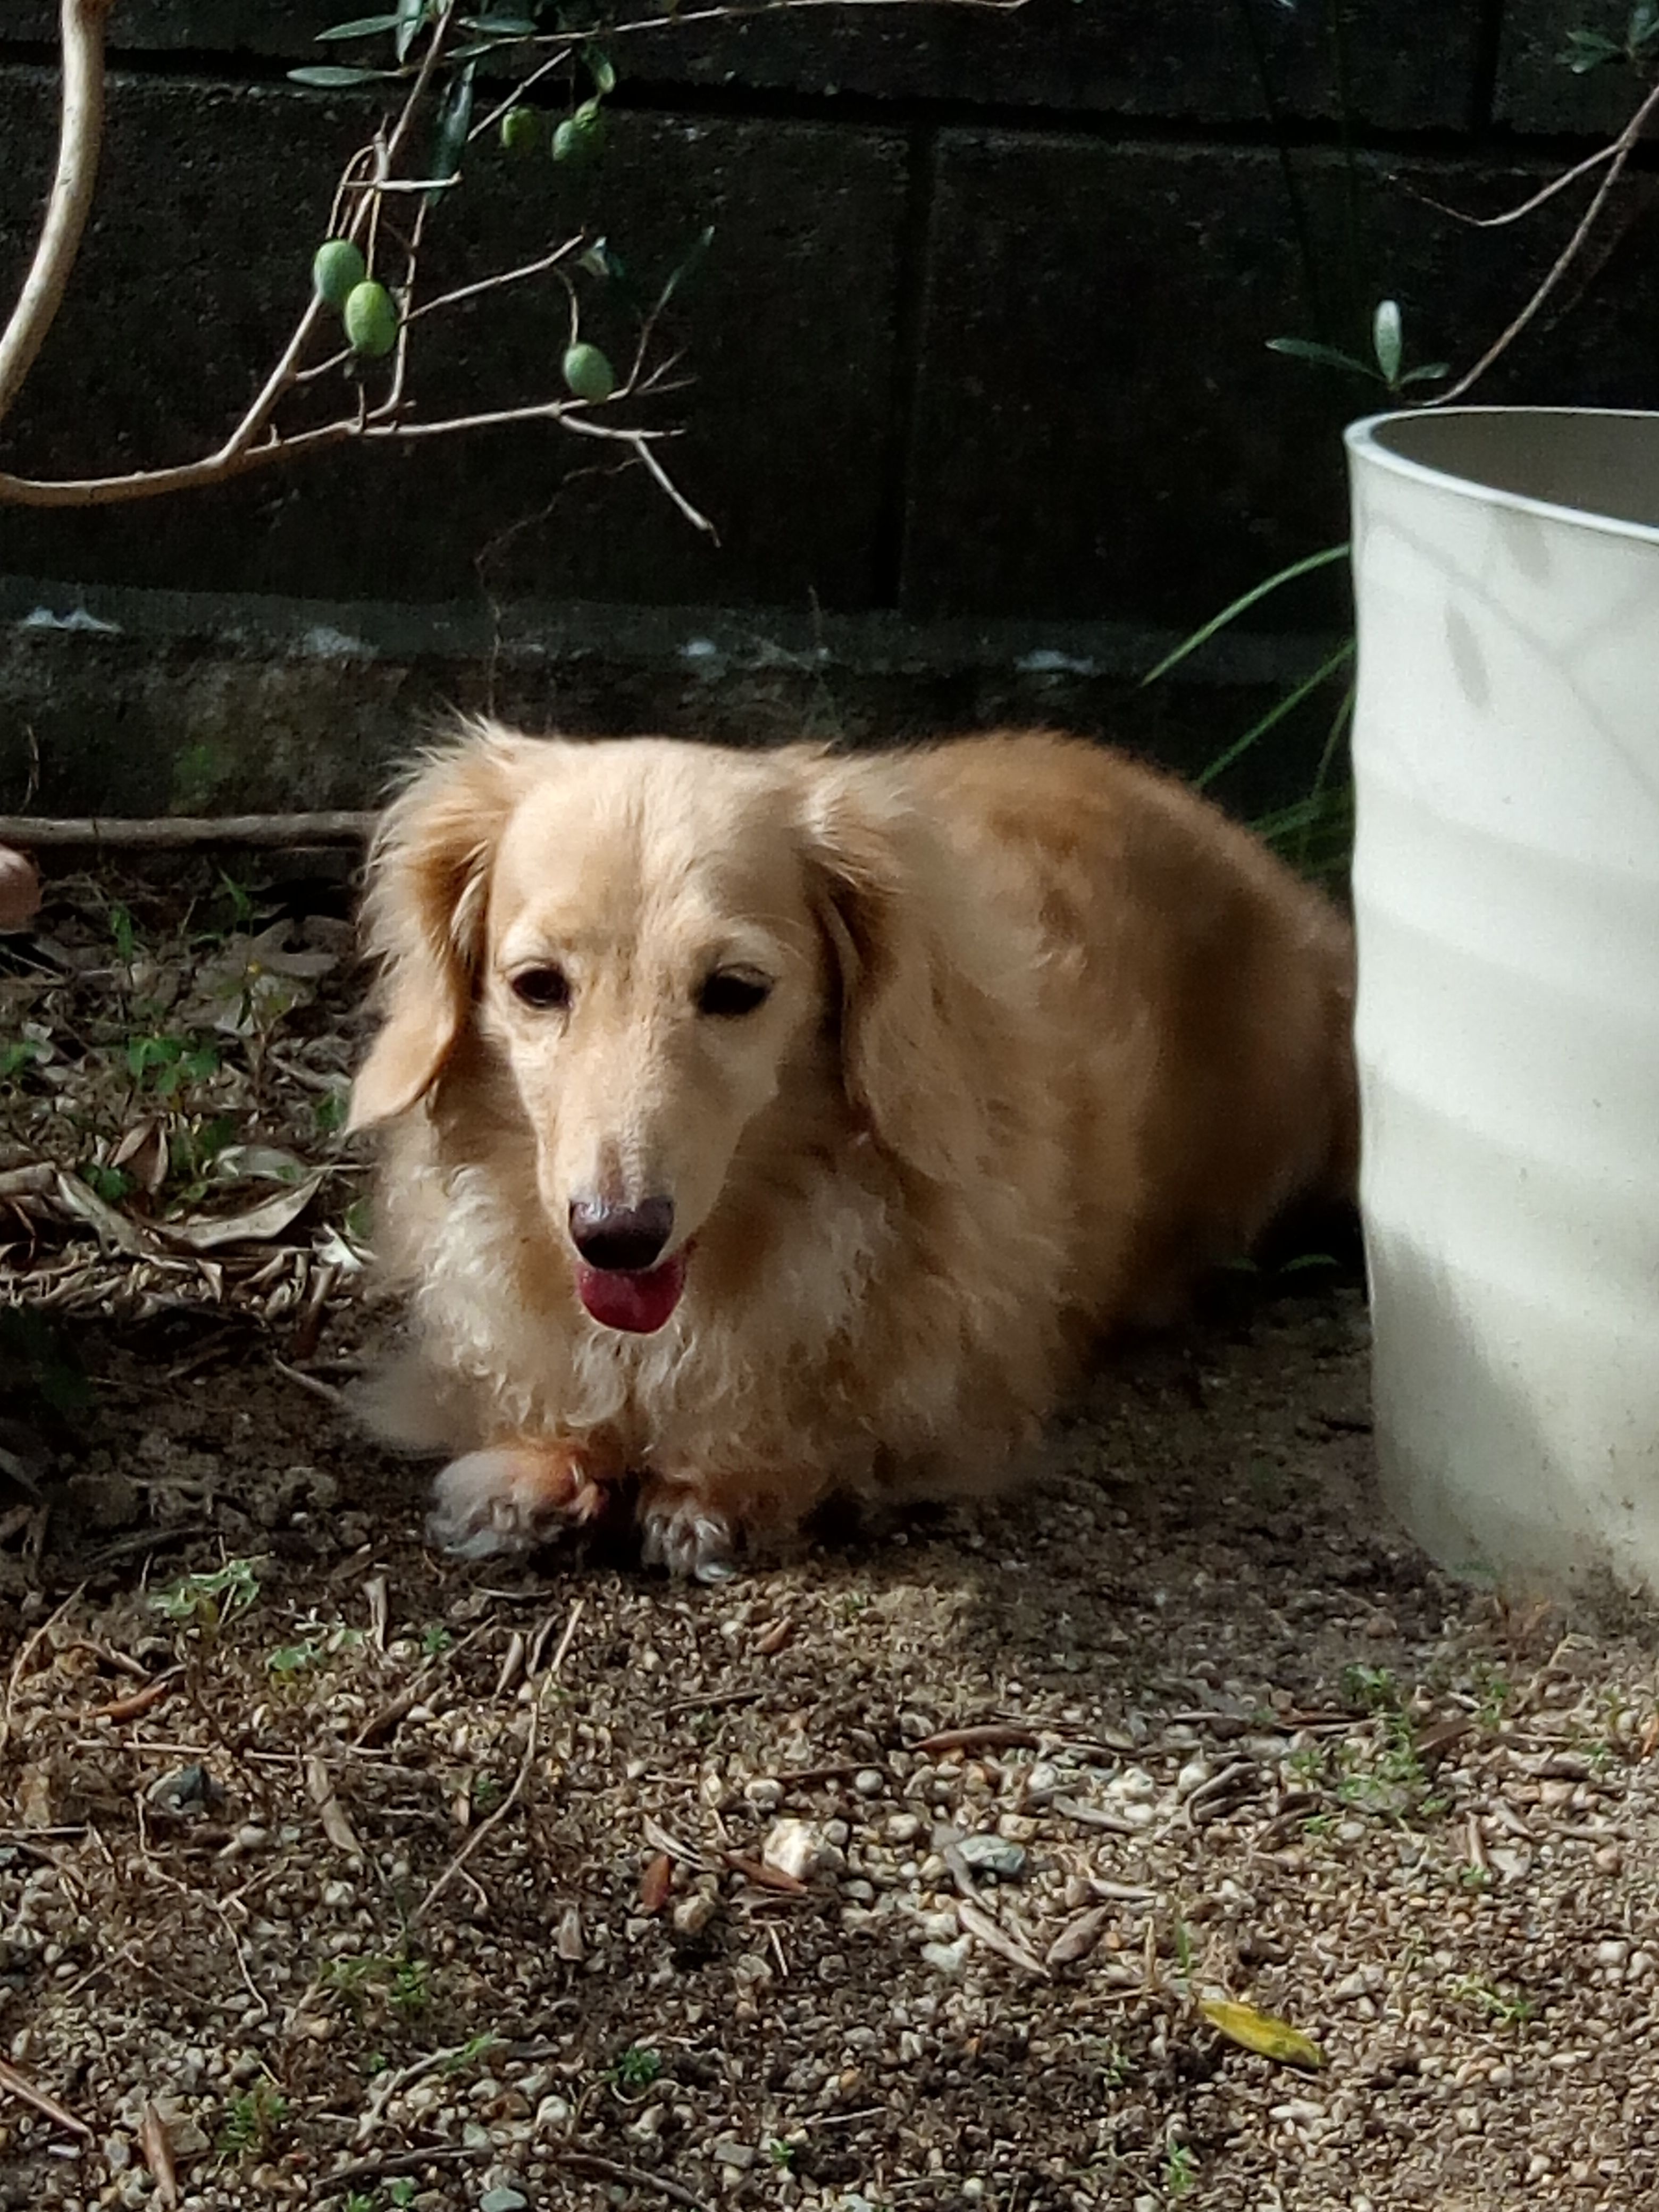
(1045, 1035)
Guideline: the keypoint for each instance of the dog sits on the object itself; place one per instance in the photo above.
(767, 1126)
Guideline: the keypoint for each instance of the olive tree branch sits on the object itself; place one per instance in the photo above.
(80, 139)
(365, 190)
(1614, 156)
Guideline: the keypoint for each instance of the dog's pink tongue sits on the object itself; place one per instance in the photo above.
(638, 1301)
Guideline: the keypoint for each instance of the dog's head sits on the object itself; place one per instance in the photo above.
(657, 943)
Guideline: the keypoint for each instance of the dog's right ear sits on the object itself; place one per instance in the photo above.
(429, 881)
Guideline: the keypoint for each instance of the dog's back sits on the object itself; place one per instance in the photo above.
(1194, 991)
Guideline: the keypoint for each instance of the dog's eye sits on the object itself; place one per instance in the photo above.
(732, 991)
(546, 989)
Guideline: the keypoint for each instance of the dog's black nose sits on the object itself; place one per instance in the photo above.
(625, 1239)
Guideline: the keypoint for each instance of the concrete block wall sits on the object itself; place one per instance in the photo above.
(981, 389)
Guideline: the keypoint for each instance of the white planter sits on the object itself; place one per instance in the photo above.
(1506, 885)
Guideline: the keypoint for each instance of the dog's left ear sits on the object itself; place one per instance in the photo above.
(427, 884)
(903, 946)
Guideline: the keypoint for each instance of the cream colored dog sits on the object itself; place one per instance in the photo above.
(767, 1125)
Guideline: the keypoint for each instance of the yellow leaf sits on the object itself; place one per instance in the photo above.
(1259, 2031)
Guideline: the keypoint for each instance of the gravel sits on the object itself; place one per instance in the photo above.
(892, 1875)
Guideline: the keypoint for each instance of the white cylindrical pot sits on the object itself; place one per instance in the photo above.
(1506, 888)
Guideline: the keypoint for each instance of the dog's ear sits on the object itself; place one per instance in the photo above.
(903, 947)
(428, 874)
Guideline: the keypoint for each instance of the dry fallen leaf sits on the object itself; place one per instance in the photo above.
(1259, 2031)
(1078, 1936)
(256, 1225)
(157, 2149)
(143, 1154)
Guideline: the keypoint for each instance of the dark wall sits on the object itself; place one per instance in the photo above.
(982, 334)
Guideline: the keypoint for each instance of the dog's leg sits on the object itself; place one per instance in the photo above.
(514, 1496)
(684, 1533)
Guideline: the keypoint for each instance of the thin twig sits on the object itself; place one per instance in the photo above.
(20, 1665)
(79, 140)
(635, 2176)
(1527, 207)
(526, 1763)
(516, 97)
(329, 1392)
(1623, 146)
(698, 520)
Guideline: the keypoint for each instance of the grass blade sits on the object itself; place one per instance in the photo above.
(1262, 591)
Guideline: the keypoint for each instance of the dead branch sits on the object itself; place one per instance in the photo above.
(1616, 157)
(141, 833)
(79, 141)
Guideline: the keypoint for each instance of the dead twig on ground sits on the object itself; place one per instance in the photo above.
(525, 1766)
(157, 832)
(13, 2084)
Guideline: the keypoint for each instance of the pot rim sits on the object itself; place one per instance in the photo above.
(1363, 442)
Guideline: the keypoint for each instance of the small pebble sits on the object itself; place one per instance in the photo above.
(948, 1958)
(693, 1914)
(869, 1782)
(798, 1848)
(993, 1855)
(503, 2200)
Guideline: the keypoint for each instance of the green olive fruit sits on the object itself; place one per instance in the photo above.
(588, 373)
(371, 321)
(521, 131)
(579, 136)
(338, 271)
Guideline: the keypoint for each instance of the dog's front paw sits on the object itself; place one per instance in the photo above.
(686, 1537)
(511, 1498)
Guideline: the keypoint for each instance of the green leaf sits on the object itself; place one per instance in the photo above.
(333, 77)
(361, 26)
(600, 261)
(1274, 716)
(1431, 373)
(1243, 604)
(1324, 356)
(1388, 340)
(412, 15)
(453, 127)
(501, 27)
(1588, 49)
(689, 265)
(600, 70)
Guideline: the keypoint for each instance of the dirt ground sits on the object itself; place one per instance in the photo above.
(916, 1870)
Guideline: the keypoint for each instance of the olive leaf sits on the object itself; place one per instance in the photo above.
(1324, 356)
(331, 76)
(1262, 2032)
(361, 26)
(689, 265)
(453, 124)
(411, 17)
(1389, 340)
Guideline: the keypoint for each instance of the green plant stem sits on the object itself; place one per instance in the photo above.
(1274, 716)
(1303, 567)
